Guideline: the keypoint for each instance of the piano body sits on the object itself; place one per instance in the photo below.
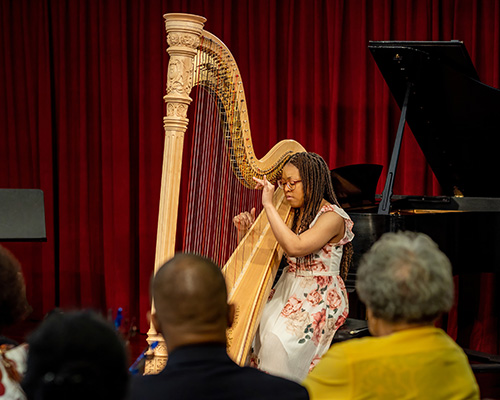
(454, 118)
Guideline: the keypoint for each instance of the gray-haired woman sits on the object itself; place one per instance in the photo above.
(406, 283)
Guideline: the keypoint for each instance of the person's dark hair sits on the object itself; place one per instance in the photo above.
(76, 355)
(317, 185)
(13, 304)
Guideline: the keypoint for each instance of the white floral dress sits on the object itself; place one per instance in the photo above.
(306, 307)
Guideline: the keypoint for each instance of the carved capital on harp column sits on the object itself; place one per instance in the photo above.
(183, 38)
(183, 31)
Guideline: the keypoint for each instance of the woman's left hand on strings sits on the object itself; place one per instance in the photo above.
(267, 190)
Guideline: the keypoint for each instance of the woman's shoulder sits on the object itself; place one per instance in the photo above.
(328, 207)
(327, 212)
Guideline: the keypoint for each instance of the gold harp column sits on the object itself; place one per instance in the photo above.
(183, 37)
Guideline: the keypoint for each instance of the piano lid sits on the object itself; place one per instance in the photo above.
(453, 116)
(355, 185)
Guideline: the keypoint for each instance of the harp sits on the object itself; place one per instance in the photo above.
(199, 58)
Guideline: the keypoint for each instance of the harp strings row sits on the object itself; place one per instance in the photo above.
(219, 75)
(215, 190)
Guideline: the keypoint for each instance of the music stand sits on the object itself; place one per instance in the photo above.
(22, 215)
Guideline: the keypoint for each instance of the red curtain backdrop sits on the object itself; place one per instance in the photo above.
(81, 108)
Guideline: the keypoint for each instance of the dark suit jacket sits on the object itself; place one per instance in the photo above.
(207, 372)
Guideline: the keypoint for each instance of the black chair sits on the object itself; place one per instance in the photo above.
(352, 329)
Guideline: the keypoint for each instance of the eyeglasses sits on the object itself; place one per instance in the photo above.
(289, 184)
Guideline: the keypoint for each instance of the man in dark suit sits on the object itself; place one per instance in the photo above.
(192, 313)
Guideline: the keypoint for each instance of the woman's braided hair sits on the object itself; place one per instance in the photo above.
(317, 185)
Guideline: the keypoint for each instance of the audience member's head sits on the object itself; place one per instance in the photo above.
(190, 301)
(13, 304)
(405, 282)
(404, 279)
(76, 355)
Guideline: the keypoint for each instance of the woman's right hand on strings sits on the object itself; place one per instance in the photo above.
(267, 190)
(244, 221)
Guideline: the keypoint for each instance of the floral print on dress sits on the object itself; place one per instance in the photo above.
(323, 280)
(333, 299)
(311, 326)
(308, 304)
(292, 306)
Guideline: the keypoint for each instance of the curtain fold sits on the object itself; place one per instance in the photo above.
(26, 126)
(81, 109)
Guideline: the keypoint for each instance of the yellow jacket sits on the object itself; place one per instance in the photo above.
(420, 363)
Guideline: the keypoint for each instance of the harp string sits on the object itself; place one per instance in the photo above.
(215, 195)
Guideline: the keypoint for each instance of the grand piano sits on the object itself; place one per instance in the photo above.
(454, 118)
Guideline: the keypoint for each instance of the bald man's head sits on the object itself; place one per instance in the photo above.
(190, 298)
